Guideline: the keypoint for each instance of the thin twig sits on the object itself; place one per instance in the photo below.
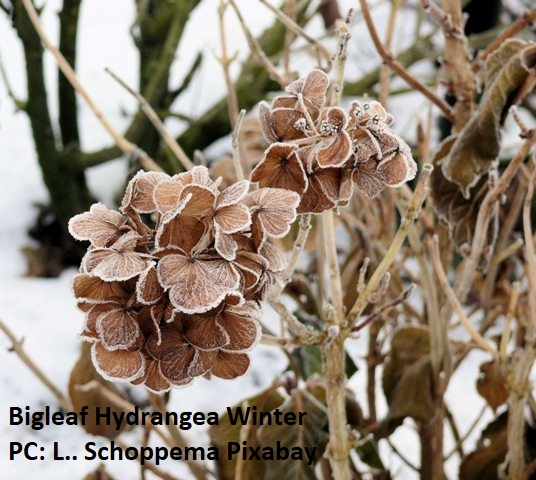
(306, 335)
(445, 285)
(530, 258)
(384, 70)
(225, 60)
(289, 38)
(256, 49)
(389, 257)
(18, 349)
(376, 314)
(471, 263)
(237, 162)
(292, 25)
(500, 257)
(199, 471)
(526, 20)
(398, 68)
(118, 402)
(333, 352)
(510, 314)
(155, 120)
(342, 31)
(465, 436)
(460, 78)
(401, 456)
(124, 145)
(20, 104)
(304, 227)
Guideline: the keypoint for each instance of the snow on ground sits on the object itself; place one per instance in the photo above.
(42, 310)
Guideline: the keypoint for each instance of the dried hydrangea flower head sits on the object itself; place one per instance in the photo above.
(180, 297)
(320, 152)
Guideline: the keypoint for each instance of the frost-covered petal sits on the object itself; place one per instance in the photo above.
(175, 365)
(148, 290)
(275, 208)
(153, 378)
(281, 168)
(243, 331)
(197, 284)
(336, 153)
(117, 365)
(112, 265)
(233, 194)
(117, 329)
(100, 225)
(203, 362)
(91, 289)
(167, 194)
(276, 259)
(233, 218)
(204, 333)
(224, 244)
(368, 179)
(140, 189)
(230, 365)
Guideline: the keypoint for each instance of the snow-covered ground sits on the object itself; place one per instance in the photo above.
(42, 310)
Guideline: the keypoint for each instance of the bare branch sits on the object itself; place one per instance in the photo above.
(126, 147)
(155, 120)
(397, 67)
(16, 346)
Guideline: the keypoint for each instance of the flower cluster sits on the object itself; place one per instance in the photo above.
(322, 152)
(172, 283)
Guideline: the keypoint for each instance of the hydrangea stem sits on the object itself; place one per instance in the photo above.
(333, 352)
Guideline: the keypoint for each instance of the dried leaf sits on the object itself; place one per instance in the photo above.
(407, 376)
(311, 434)
(476, 148)
(483, 463)
(82, 373)
(492, 385)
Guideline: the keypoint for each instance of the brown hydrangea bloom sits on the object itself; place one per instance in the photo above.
(356, 147)
(179, 298)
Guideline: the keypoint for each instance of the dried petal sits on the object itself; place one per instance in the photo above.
(368, 179)
(153, 378)
(90, 289)
(118, 365)
(118, 329)
(274, 209)
(144, 184)
(117, 263)
(167, 194)
(148, 290)
(100, 226)
(224, 244)
(277, 261)
(202, 363)
(233, 194)
(281, 168)
(313, 88)
(204, 333)
(233, 218)
(197, 284)
(240, 326)
(230, 365)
